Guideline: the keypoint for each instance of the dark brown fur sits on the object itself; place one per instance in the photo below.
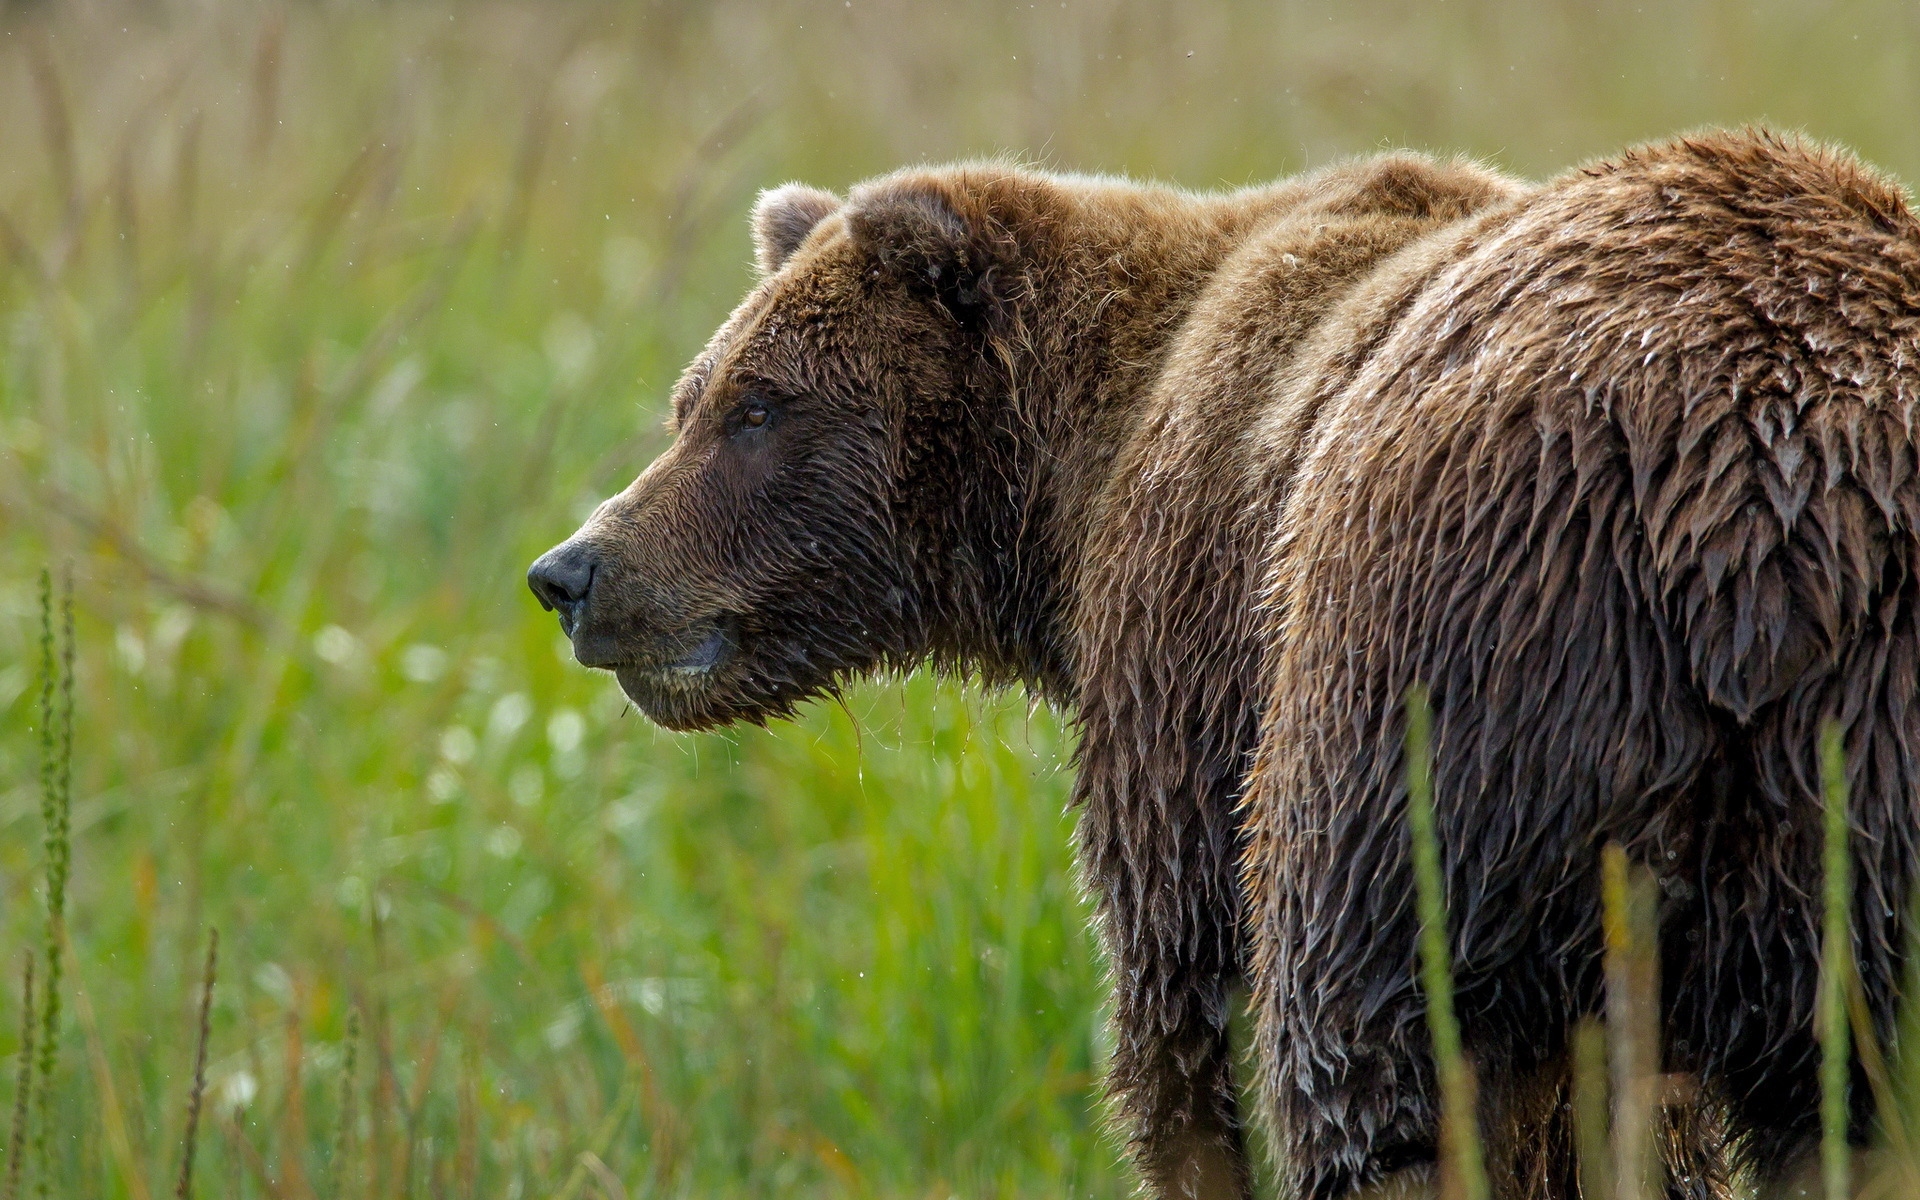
(1620, 466)
(1631, 485)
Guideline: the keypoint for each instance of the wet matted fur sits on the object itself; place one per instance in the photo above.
(1621, 466)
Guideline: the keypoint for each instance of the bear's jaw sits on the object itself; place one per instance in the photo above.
(688, 657)
(702, 677)
(712, 650)
(675, 697)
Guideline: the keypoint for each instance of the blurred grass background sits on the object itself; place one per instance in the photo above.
(319, 321)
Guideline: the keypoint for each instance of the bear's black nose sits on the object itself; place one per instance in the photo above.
(561, 579)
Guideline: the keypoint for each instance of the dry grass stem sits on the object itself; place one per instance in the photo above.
(203, 1034)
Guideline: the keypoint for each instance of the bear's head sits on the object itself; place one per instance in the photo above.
(806, 523)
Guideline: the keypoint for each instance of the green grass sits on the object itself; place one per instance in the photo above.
(316, 325)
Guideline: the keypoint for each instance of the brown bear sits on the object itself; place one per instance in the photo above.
(1622, 467)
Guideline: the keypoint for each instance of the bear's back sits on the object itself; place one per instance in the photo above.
(1688, 310)
(1179, 531)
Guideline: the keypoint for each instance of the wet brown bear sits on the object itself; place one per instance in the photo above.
(1620, 466)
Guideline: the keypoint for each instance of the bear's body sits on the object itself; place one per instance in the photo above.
(1621, 467)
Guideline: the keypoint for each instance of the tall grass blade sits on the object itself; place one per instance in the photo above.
(22, 1086)
(184, 1188)
(1836, 969)
(267, 60)
(1902, 1169)
(1464, 1170)
(1590, 1109)
(57, 127)
(349, 1080)
(111, 1116)
(1630, 920)
(56, 800)
(602, 1138)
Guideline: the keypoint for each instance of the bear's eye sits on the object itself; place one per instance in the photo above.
(754, 415)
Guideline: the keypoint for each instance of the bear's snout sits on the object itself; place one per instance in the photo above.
(617, 626)
(563, 581)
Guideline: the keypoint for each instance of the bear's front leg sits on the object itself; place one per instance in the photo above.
(1170, 915)
(1172, 1079)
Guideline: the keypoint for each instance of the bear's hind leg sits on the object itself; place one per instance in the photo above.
(1746, 1008)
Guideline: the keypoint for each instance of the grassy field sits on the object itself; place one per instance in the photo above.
(317, 323)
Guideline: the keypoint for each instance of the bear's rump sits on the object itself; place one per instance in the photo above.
(1632, 490)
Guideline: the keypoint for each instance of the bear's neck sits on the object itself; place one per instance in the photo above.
(1153, 326)
(1079, 364)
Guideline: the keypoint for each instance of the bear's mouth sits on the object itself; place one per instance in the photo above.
(712, 650)
(693, 657)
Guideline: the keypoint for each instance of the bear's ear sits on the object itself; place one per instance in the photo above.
(918, 229)
(782, 219)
